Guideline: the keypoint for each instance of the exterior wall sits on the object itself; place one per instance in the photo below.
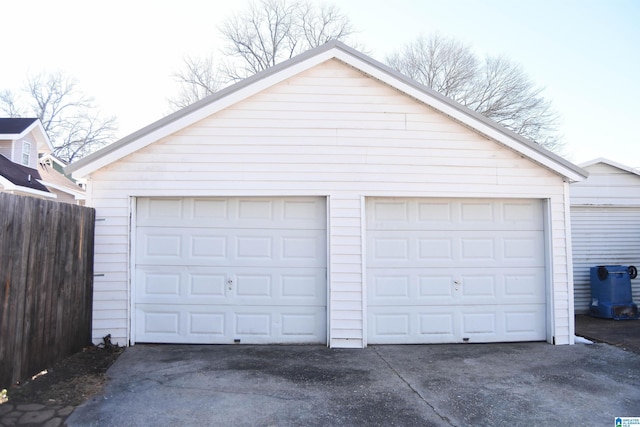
(63, 197)
(16, 154)
(330, 131)
(6, 148)
(605, 212)
(606, 186)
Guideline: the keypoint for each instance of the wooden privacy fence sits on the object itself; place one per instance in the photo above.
(46, 283)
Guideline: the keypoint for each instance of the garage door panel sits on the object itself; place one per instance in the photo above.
(193, 246)
(224, 213)
(438, 248)
(208, 324)
(207, 285)
(412, 325)
(446, 286)
(470, 214)
(294, 287)
(216, 270)
(181, 324)
(180, 284)
(445, 270)
(497, 324)
(443, 324)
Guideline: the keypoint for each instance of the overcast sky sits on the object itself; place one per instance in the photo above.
(586, 53)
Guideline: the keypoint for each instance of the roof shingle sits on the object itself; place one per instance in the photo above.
(15, 125)
(20, 175)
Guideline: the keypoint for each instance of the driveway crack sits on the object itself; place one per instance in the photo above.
(413, 389)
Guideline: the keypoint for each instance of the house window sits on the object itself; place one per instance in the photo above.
(26, 153)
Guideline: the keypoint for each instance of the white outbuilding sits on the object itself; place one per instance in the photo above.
(605, 215)
(330, 200)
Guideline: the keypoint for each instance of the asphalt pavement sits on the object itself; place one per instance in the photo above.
(413, 385)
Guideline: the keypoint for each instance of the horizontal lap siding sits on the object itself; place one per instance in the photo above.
(334, 132)
(605, 214)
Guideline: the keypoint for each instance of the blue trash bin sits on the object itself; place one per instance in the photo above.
(611, 292)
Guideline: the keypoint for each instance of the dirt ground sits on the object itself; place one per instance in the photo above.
(69, 382)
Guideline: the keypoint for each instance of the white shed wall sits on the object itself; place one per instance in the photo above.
(605, 216)
(331, 131)
(606, 186)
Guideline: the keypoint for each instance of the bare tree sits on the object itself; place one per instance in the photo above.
(198, 79)
(70, 118)
(323, 23)
(494, 87)
(266, 33)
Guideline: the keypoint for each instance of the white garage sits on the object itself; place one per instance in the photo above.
(330, 200)
(230, 270)
(455, 270)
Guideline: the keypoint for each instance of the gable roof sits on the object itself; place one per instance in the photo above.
(610, 163)
(13, 128)
(20, 176)
(280, 72)
(55, 180)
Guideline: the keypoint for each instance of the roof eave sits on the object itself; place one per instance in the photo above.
(11, 187)
(78, 195)
(198, 110)
(610, 163)
(41, 135)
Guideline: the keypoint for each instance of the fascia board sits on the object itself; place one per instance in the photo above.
(179, 120)
(44, 137)
(464, 116)
(76, 194)
(8, 185)
(610, 163)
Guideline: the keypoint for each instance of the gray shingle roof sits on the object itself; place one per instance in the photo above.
(20, 175)
(15, 125)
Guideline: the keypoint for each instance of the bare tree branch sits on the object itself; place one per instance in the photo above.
(69, 117)
(197, 80)
(495, 87)
(266, 33)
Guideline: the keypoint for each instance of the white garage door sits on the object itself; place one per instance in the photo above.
(225, 270)
(446, 271)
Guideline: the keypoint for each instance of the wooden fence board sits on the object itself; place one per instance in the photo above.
(46, 292)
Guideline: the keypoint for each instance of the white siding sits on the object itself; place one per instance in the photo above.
(606, 185)
(6, 148)
(605, 218)
(331, 131)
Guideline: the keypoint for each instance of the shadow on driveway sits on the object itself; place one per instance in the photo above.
(461, 385)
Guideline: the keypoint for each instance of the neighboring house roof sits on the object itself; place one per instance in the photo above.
(53, 179)
(15, 125)
(303, 62)
(18, 177)
(610, 163)
(13, 128)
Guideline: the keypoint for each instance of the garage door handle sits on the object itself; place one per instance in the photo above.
(230, 283)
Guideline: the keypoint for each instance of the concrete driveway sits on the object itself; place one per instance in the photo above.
(460, 385)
